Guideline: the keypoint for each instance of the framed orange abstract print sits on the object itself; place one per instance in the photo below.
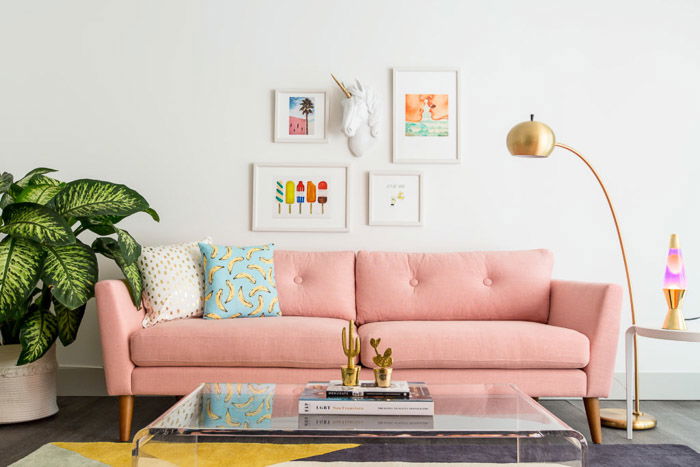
(426, 115)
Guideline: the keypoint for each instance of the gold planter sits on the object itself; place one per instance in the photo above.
(382, 377)
(350, 375)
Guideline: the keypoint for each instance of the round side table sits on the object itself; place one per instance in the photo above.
(653, 333)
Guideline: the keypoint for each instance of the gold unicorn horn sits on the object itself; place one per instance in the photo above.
(342, 87)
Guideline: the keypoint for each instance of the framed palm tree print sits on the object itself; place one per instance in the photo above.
(300, 116)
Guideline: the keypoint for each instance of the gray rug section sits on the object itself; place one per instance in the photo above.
(50, 455)
(610, 455)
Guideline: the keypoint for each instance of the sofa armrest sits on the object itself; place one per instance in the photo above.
(593, 310)
(118, 319)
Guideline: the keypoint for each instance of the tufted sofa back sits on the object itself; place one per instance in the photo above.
(500, 285)
(319, 284)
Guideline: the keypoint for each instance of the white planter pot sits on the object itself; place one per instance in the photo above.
(27, 392)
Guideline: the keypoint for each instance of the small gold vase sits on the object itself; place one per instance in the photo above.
(350, 375)
(382, 377)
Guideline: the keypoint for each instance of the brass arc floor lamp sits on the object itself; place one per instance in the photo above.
(535, 139)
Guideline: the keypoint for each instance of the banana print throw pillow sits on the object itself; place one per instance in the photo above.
(239, 282)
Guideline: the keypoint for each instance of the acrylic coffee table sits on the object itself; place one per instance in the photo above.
(488, 423)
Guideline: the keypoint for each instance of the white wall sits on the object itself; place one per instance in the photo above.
(174, 99)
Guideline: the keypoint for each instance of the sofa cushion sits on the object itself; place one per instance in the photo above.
(476, 344)
(501, 285)
(320, 284)
(287, 341)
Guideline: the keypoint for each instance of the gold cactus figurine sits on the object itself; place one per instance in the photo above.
(351, 348)
(382, 375)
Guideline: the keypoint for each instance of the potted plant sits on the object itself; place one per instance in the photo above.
(47, 275)
(382, 374)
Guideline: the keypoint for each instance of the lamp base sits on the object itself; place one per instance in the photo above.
(617, 418)
(674, 320)
(674, 317)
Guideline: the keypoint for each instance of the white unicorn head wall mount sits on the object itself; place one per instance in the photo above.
(360, 116)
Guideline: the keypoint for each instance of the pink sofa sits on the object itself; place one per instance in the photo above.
(449, 317)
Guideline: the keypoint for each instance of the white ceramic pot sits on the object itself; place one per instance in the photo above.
(27, 392)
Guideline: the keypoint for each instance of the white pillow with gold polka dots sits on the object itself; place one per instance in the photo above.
(173, 282)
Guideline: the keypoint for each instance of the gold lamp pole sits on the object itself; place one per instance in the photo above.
(535, 139)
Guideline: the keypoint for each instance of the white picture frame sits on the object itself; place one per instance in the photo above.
(291, 120)
(426, 136)
(330, 215)
(396, 198)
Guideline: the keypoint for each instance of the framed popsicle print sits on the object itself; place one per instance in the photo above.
(300, 116)
(395, 198)
(300, 197)
(426, 112)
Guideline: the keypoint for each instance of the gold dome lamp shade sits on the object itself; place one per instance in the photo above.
(531, 139)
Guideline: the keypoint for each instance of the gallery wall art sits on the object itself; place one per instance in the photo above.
(426, 114)
(395, 198)
(296, 197)
(301, 116)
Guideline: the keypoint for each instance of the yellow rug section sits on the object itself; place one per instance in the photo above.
(208, 454)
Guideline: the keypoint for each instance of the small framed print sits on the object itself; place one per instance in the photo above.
(300, 197)
(301, 116)
(426, 111)
(395, 198)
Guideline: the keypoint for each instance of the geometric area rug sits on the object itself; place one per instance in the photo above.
(339, 455)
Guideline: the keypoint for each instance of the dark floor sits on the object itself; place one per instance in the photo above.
(83, 419)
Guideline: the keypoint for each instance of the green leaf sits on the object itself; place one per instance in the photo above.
(85, 198)
(15, 190)
(6, 200)
(106, 219)
(71, 271)
(24, 181)
(39, 179)
(20, 265)
(110, 248)
(38, 223)
(98, 228)
(128, 246)
(5, 182)
(68, 321)
(37, 334)
(133, 280)
(39, 194)
(152, 212)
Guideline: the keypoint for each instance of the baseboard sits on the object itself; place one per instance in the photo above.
(81, 381)
(89, 381)
(660, 386)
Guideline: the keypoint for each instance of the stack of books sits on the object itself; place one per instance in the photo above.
(369, 422)
(332, 398)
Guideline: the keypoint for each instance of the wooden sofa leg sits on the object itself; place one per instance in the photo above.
(126, 413)
(592, 405)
